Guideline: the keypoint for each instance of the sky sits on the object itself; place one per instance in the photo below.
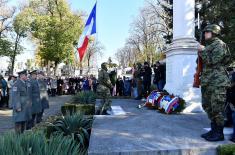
(113, 21)
(114, 18)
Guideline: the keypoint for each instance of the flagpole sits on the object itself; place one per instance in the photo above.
(96, 40)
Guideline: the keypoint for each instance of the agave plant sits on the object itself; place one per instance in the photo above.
(36, 144)
(85, 97)
(60, 144)
(76, 126)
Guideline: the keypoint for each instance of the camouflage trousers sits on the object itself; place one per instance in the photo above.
(213, 102)
(104, 94)
(105, 104)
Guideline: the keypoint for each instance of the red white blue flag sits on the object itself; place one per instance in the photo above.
(90, 29)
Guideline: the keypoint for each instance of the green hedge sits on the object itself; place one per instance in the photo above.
(71, 108)
(84, 97)
(228, 149)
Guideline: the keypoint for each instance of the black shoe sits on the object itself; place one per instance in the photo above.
(217, 135)
(210, 132)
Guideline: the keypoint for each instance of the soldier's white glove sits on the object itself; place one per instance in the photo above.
(201, 48)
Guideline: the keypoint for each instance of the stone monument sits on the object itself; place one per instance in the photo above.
(182, 54)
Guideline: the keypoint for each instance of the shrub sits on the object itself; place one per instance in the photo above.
(70, 109)
(43, 125)
(76, 126)
(228, 149)
(31, 143)
(84, 97)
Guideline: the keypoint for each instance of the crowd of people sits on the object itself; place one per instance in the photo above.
(27, 95)
(143, 78)
(55, 86)
(71, 85)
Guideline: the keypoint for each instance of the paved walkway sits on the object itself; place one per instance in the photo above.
(55, 104)
(147, 132)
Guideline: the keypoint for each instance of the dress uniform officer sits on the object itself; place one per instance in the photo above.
(43, 94)
(36, 102)
(21, 102)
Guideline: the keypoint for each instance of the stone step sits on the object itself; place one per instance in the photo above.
(117, 110)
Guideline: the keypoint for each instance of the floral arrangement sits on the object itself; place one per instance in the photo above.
(164, 102)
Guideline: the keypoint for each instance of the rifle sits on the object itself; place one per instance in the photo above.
(197, 82)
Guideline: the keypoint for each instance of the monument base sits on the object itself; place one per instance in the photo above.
(180, 69)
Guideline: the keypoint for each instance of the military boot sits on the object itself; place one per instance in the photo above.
(209, 133)
(217, 135)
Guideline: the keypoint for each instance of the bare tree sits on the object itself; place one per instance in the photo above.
(147, 34)
(94, 49)
(6, 16)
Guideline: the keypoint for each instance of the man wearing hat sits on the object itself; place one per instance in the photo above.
(43, 94)
(214, 80)
(21, 101)
(36, 102)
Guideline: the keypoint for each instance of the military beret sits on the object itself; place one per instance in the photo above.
(33, 72)
(22, 72)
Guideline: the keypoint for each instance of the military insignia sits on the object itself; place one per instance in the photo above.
(14, 88)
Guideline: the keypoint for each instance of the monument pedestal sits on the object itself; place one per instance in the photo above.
(181, 56)
(180, 70)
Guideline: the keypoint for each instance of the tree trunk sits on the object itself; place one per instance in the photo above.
(56, 66)
(48, 67)
(81, 69)
(14, 54)
(88, 64)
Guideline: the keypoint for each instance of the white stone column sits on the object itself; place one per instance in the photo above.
(182, 54)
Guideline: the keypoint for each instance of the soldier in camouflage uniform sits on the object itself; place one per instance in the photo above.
(214, 80)
(103, 90)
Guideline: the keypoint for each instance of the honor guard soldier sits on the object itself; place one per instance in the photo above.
(43, 93)
(21, 101)
(103, 90)
(36, 102)
(214, 80)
